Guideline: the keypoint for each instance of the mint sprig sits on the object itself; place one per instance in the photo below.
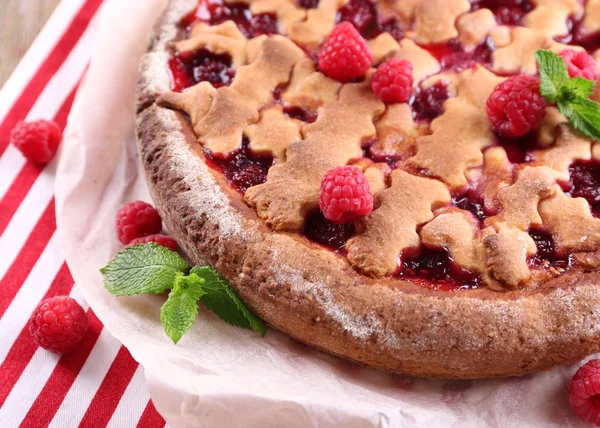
(219, 298)
(151, 268)
(141, 269)
(571, 95)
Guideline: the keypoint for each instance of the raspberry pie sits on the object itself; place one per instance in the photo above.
(382, 180)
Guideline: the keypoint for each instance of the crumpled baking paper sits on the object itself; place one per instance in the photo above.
(218, 375)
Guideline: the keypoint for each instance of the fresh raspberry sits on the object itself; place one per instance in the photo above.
(584, 392)
(516, 106)
(58, 324)
(393, 80)
(137, 219)
(38, 141)
(345, 194)
(580, 64)
(158, 238)
(345, 54)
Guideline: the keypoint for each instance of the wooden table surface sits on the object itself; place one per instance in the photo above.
(20, 22)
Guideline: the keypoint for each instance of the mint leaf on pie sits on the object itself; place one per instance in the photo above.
(571, 95)
(584, 115)
(220, 299)
(180, 310)
(148, 268)
(553, 74)
(580, 87)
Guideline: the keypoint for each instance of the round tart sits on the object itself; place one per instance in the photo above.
(481, 255)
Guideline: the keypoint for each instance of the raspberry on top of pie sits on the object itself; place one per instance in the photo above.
(476, 181)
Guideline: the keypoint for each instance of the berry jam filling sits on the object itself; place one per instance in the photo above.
(435, 269)
(585, 183)
(577, 35)
(300, 113)
(243, 169)
(320, 230)
(429, 103)
(215, 12)
(519, 150)
(546, 251)
(452, 55)
(189, 68)
(307, 4)
(507, 12)
(472, 203)
(363, 14)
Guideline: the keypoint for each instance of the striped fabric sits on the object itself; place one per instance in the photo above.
(99, 384)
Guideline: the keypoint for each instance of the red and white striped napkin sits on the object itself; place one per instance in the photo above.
(99, 384)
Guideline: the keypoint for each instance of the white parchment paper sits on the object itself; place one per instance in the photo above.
(221, 376)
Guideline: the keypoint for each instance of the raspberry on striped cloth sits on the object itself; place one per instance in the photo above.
(160, 239)
(58, 324)
(345, 54)
(137, 219)
(584, 392)
(345, 194)
(38, 140)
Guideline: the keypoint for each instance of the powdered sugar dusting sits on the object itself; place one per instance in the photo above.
(208, 198)
(153, 67)
(176, 10)
(361, 327)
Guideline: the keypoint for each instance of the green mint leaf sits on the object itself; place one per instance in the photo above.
(220, 299)
(578, 87)
(147, 268)
(583, 115)
(553, 74)
(191, 284)
(179, 311)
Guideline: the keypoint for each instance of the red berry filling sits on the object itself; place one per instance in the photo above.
(585, 183)
(364, 15)
(507, 12)
(215, 12)
(546, 251)
(436, 269)
(370, 153)
(324, 232)
(190, 68)
(429, 103)
(518, 150)
(242, 169)
(453, 55)
(472, 203)
(308, 4)
(300, 113)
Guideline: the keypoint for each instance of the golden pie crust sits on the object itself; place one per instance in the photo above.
(350, 305)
